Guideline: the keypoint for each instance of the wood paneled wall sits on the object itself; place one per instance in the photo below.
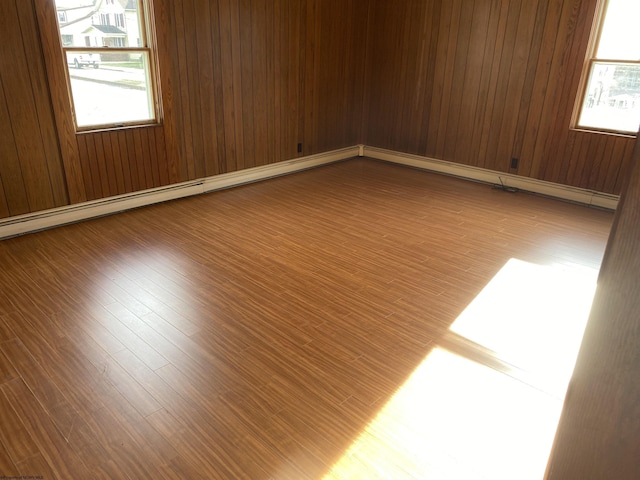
(479, 82)
(253, 78)
(31, 174)
(600, 424)
(245, 81)
(124, 161)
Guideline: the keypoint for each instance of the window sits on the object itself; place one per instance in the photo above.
(110, 67)
(611, 96)
(62, 17)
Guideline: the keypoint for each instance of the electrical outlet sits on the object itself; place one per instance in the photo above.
(514, 163)
(299, 148)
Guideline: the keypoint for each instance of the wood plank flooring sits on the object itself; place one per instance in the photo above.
(255, 332)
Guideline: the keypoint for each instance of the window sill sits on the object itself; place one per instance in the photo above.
(603, 132)
(117, 128)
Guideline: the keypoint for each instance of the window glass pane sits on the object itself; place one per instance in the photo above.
(110, 88)
(620, 38)
(99, 23)
(612, 100)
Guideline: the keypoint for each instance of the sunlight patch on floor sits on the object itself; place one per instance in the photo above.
(457, 419)
(533, 317)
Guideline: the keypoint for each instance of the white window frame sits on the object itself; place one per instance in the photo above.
(146, 48)
(588, 69)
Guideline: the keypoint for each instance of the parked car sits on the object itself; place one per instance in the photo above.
(83, 59)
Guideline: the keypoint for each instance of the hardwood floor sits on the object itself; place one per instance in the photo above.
(260, 332)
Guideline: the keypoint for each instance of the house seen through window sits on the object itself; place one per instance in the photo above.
(611, 100)
(109, 62)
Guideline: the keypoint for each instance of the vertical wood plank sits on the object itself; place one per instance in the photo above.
(486, 90)
(105, 166)
(191, 79)
(310, 74)
(144, 166)
(576, 46)
(171, 146)
(226, 66)
(259, 51)
(500, 103)
(620, 145)
(4, 206)
(526, 104)
(152, 155)
(439, 78)
(126, 162)
(274, 66)
(434, 22)
(236, 75)
(207, 95)
(470, 95)
(45, 11)
(94, 168)
(461, 71)
(136, 173)
(291, 95)
(115, 155)
(15, 193)
(218, 89)
(182, 85)
(22, 109)
(537, 121)
(522, 54)
(83, 157)
(448, 74)
(246, 68)
(163, 162)
(46, 121)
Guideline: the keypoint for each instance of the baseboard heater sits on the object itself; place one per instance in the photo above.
(32, 222)
(550, 189)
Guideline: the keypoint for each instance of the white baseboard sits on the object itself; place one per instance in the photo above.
(33, 222)
(233, 179)
(564, 192)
